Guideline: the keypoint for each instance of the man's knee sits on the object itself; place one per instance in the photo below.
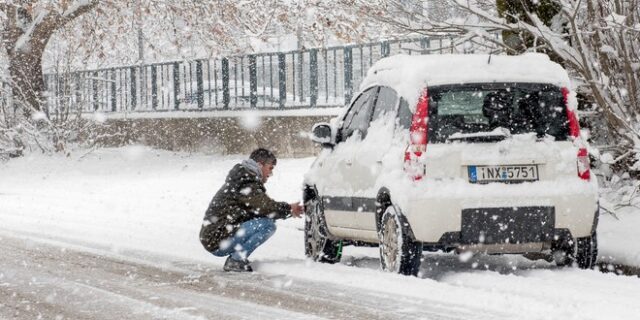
(206, 239)
(267, 225)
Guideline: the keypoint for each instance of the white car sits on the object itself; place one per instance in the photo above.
(471, 153)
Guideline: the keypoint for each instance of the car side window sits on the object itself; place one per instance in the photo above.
(358, 117)
(404, 114)
(385, 103)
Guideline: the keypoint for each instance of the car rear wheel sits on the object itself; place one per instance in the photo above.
(582, 251)
(587, 251)
(317, 244)
(398, 252)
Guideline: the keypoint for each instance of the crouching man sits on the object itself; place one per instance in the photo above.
(241, 216)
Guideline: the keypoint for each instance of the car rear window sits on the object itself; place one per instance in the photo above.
(476, 108)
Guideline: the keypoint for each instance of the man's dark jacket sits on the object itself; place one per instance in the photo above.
(242, 198)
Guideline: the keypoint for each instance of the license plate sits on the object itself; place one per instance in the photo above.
(511, 173)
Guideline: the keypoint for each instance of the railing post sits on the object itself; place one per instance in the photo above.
(301, 76)
(348, 74)
(385, 49)
(225, 83)
(94, 87)
(282, 79)
(154, 87)
(313, 77)
(114, 97)
(253, 81)
(78, 90)
(451, 44)
(425, 44)
(134, 97)
(200, 84)
(176, 86)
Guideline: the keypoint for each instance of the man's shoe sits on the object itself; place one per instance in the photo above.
(237, 266)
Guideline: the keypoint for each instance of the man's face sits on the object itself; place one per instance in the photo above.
(267, 170)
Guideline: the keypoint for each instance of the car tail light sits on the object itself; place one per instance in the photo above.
(584, 171)
(584, 168)
(417, 138)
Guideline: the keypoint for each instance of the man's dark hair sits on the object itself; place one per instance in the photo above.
(263, 156)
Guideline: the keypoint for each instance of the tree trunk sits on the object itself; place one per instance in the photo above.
(25, 69)
(25, 37)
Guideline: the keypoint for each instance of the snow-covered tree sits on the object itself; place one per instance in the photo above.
(27, 27)
(108, 35)
(67, 35)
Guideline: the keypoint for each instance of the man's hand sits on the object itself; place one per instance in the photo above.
(296, 209)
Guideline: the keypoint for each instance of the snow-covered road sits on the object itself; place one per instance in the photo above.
(43, 280)
(113, 234)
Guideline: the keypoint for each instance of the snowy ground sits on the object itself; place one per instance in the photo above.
(145, 207)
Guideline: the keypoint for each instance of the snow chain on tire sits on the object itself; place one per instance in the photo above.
(586, 252)
(317, 244)
(398, 252)
(581, 251)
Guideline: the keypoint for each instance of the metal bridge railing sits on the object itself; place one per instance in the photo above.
(318, 77)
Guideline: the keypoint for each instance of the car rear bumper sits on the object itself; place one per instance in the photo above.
(434, 212)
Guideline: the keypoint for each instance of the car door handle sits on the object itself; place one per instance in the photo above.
(348, 163)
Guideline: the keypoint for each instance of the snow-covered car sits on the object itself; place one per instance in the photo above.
(464, 153)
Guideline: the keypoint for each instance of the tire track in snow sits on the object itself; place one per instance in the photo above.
(78, 284)
(43, 280)
(38, 280)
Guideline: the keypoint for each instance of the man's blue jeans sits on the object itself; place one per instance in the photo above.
(249, 236)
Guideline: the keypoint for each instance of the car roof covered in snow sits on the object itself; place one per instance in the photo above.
(409, 75)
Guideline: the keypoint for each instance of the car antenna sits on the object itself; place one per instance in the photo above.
(489, 61)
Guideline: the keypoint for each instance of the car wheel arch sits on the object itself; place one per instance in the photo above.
(383, 201)
(309, 192)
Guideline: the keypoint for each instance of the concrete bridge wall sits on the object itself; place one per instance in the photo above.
(285, 135)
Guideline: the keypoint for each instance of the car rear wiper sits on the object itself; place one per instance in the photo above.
(497, 134)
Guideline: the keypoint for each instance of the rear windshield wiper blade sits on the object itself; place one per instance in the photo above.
(498, 134)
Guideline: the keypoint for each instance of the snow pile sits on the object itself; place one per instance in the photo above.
(618, 238)
(619, 221)
(132, 198)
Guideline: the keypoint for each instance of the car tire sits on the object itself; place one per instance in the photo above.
(586, 252)
(582, 251)
(317, 244)
(398, 252)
